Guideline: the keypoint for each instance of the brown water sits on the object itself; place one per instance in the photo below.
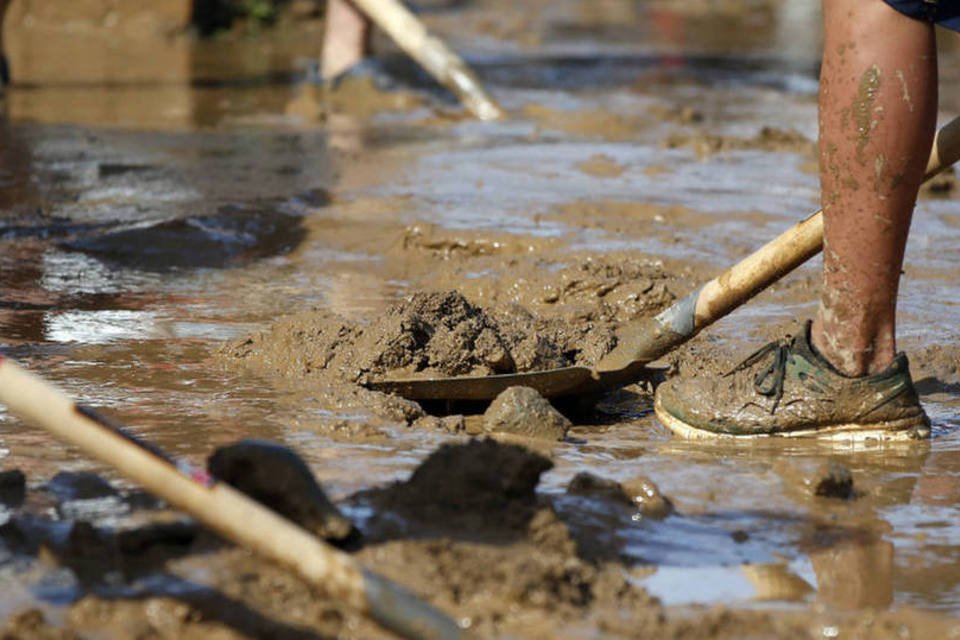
(146, 219)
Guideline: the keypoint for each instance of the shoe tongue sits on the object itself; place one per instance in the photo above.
(803, 345)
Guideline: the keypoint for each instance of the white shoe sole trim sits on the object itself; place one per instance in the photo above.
(905, 429)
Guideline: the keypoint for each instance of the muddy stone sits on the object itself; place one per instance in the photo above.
(478, 474)
(590, 484)
(278, 478)
(450, 424)
(523, 411)
(33, 625)
(833, 480)
(13, 487)
(145, 531)
(647, 496)
(482, 488)
(79, 485)
(638, 492)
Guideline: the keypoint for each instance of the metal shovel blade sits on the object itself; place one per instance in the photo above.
(551, 383)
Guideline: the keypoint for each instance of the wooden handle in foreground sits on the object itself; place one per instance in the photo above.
(433, 55)
(647, 340)
(221, 508)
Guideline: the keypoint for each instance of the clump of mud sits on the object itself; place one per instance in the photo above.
(467, 531)
(428, 334)
(767, 139)
(524, 412)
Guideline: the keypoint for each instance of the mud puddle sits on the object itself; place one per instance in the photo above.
(137, 245)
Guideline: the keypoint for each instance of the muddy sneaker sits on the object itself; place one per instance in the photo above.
(787, 389)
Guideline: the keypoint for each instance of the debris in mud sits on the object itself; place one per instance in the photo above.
(426, 335)
(683, 114)
(145, 530)
(942, 185)
(235, 235)
(277, 477)
(483, 487)
(601, 166)
(523, 411)
(13, 487)
(32, 624)
(816, 479)
(451, 424)
(442, 245)
(638, 492)
(767, 139)
(834, 480)
(79, 485)
(476, 475)
(647, 496)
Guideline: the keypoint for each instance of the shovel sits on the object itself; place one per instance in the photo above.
(440, 61)
(641, 342)
(224, 509)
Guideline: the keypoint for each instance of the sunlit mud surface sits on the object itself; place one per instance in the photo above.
(150, 222)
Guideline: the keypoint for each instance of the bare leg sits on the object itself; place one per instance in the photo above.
(878, 104)
(346, 39)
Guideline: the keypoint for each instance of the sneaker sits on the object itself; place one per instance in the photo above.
(787, 389)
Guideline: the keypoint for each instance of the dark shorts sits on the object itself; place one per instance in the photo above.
(945, 13)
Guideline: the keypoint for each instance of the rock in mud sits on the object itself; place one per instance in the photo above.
(476, 475)
(834, 480)
(33, 624)
(13, 487)
(450, 424)
(144, 531)
(278, 478)
(592, 485)
(523, 411)
(79, 485)
(646, 495)
(638, 492)
(481, 490)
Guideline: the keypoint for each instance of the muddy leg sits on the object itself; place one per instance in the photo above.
(346, 38)
(878, 102)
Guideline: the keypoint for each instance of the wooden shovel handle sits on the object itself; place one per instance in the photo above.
(647, 340)
(221, 508)
(433, 55)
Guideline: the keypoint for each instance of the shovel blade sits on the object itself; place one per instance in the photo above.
(552, 383)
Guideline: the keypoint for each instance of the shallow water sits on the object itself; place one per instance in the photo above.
(89, 190)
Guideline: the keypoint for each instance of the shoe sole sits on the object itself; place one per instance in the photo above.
(894, 430)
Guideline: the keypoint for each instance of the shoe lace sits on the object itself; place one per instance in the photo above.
(768, 381)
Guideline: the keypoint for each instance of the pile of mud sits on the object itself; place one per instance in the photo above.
(427, 334)
(468, 531)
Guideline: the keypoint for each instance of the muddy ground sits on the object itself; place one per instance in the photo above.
(211, 250)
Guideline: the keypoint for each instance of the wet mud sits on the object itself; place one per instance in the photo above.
(426, 335)
(219, 252)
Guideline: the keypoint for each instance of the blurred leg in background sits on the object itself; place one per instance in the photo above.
(346, 39)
